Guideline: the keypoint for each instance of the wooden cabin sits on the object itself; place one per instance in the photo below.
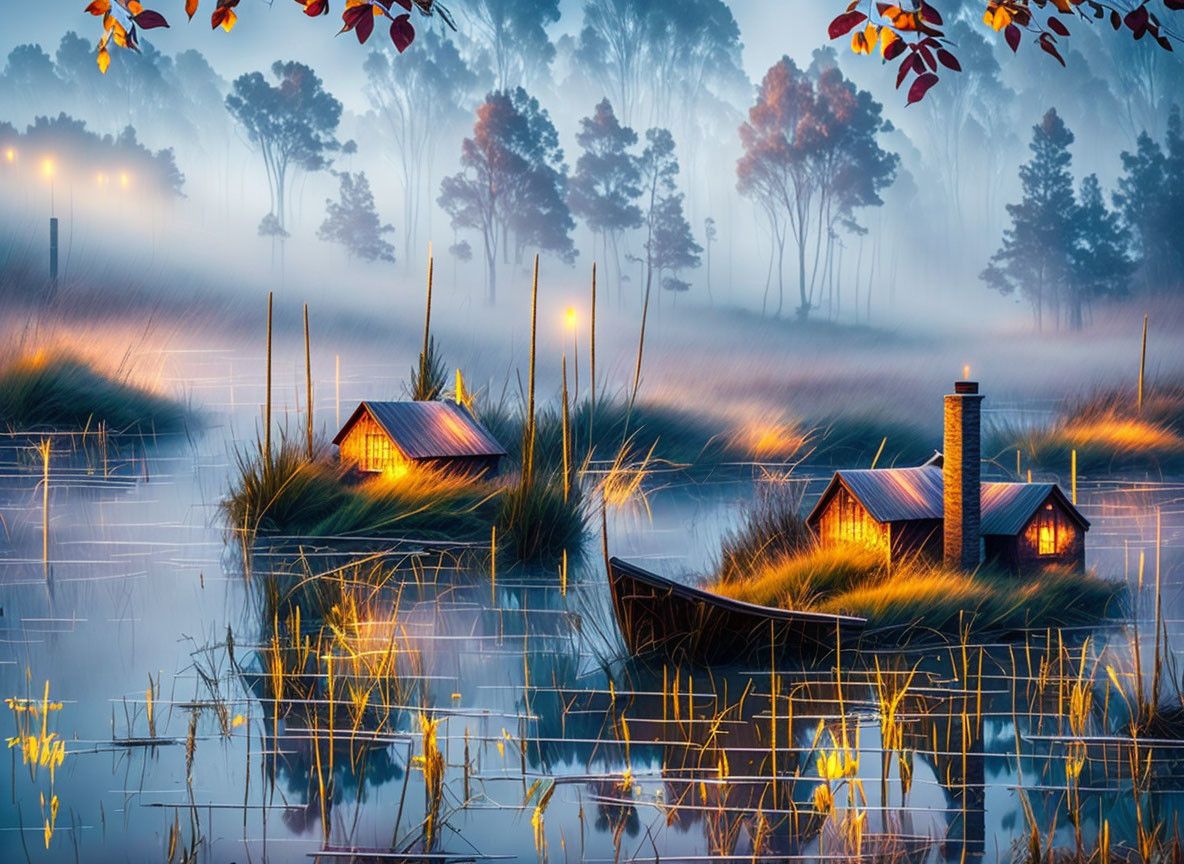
(1025, 527)
(391, 437)
(942, 511)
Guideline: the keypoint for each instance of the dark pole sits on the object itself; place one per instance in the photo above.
(53, 254)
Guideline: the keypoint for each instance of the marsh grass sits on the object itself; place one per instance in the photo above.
(772, 559)
(851, 580)
(538, 522)
(772, 529)
(598, 433)
(57, 390)
(288, 494)
(1107, 429)
(428, 378)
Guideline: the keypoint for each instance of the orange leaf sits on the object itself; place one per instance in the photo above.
(104, 60)
(190, 8)
(134, 7)
(99, 7)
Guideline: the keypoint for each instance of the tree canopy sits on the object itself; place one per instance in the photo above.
(352, 220)
(811, 158)
(512, 186)
(293, 123)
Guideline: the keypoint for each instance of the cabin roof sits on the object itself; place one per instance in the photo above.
(1007, 507)
(428, 430)
(914, 494)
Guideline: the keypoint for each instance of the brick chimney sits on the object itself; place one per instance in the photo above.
(961, 475)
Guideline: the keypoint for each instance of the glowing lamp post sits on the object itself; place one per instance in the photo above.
(48, 168)
(570, 319)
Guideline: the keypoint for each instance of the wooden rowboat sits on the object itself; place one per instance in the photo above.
(660, 617)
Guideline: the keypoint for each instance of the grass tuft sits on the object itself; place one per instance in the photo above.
(44, 390)
(1107, 430)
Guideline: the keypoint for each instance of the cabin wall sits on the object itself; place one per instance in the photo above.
(368, 447)
(918, 538)
(1050, 539)
(846, 521)
(471, 466)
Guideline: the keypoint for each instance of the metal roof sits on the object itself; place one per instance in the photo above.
(897, 494)
(911, 494)
(429, 430)
(1007, 507)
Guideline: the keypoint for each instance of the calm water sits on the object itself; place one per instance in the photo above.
(553, 745)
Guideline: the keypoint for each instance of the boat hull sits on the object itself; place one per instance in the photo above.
(664, 619)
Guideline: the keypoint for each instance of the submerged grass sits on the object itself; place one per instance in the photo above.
(57, 390)
(1108, 429)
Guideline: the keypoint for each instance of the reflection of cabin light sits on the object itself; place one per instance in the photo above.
(966, 372)
(10, 155)
(48, 167)
(571, 316)
(123, 180)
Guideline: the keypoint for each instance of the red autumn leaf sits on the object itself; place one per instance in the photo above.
(1057, 27)
(365, 25)
(928, 55)
(149, 20)
(921, 87)
(905, 65)
(316, 7)
(1047, 45)
(1012, 34)
(1136, 19)
(354, 15)
(948, 60)
(930, 14)
(402, 33)
(1174, 5)
(894, 50)
(845, 23)
(406, 4)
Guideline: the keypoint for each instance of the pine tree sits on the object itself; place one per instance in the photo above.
(606, 184)
(353, 221)
(1151, 197)
(669, 244)
(1036, 257)
(1101, 263)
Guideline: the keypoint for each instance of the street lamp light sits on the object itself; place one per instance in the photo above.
(571, 319)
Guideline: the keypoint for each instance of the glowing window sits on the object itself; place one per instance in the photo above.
(1051, 535)
(377, 452)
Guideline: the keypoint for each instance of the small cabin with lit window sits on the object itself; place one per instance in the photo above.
(899, 512)
(391, 437)
(942, 511)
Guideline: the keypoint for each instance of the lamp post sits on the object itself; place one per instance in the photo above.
(53, 231)
(571, 319)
